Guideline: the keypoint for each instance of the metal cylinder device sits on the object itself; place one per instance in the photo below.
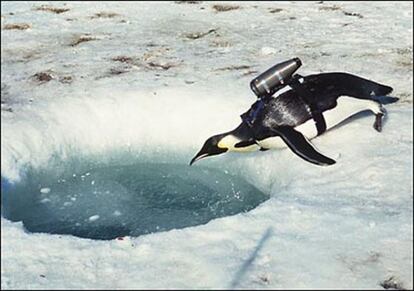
(267, 83)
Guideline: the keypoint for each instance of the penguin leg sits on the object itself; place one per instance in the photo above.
(379, 117)
(300, 145)
(348, 106)
(379, 111)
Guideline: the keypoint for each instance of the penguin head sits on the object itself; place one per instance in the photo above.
(211, 147)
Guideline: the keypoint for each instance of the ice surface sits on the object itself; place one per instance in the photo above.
(151, 84)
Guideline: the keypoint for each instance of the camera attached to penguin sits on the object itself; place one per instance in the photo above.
(269, 82)
(292, 109)
(275, 78)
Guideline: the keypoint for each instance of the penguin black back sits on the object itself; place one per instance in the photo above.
(333, 85)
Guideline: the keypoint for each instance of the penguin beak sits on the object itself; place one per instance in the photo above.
(209, 149)
(198, 156)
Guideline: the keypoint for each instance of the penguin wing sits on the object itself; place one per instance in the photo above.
(301, 146)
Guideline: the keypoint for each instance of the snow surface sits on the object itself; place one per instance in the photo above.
(185, 77)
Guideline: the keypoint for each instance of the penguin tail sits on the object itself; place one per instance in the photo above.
(381, 90)
(370, 89)
(384, 100)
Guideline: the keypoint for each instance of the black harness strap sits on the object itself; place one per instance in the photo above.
(251, 116)
(319, 121)
(306, 97)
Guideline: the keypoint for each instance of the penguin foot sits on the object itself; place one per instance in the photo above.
(378, 122)
(379, 117)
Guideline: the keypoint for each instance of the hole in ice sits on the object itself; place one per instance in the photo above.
(113, 201)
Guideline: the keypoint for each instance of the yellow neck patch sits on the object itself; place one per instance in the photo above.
(229, 141)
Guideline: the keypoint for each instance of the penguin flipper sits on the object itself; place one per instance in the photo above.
(300, 145)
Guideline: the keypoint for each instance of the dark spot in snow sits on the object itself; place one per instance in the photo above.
(83, 38)
(232, 68)
(18, 26)
(187, 2)
(4, 91)
(353, 14)
(66, 79)
(117, 71)
(336, 7)
(105, 15)
(264, 279)
(330, 8)
(43, 276)
(292, 18)
(42, 77)
(275, 10)
(392, 283)
(197, 35)
(123, 59)
(52, 9)
(224, 8)
(165, 66)
(404, 51)
(8, 109)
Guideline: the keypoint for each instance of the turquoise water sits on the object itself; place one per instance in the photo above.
(113, 201)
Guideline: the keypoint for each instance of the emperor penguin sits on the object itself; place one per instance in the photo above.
(300, 112)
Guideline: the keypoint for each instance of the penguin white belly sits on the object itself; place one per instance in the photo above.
(273, 142)
(346, 107)
(308, 129)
